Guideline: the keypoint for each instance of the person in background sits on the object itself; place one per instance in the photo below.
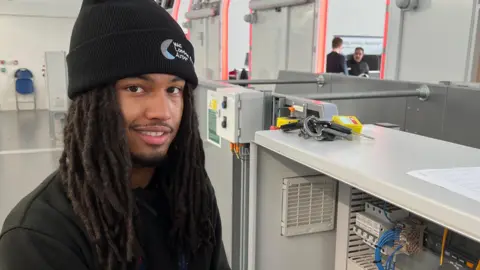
(131, 190)
(336, 61)
(356, 65)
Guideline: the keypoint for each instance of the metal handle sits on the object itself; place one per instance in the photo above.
(201, 13)
(264, 5)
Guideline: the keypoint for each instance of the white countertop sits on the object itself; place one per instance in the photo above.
(380, 168)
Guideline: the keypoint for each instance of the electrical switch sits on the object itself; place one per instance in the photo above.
(224, 122)
(224, 103)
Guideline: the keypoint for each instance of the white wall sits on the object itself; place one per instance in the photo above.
(31, 29)
(238, 34)
(354, 18)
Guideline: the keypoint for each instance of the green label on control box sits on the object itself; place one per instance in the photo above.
(212, 135)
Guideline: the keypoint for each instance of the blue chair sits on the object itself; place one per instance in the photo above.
(24, 86)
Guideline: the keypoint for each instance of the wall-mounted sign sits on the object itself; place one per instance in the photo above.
(371, 45)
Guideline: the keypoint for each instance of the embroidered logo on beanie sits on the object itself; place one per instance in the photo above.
(177, 52)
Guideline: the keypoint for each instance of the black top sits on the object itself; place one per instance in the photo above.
(336, 63)
(357, 68)
(43, 232)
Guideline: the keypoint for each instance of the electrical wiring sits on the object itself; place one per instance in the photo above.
(444, 240)
(385, 212)
(388, 238)
(389, 265)
(378, 259)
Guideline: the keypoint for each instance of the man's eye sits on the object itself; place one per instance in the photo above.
(174, 90)
(135, 89)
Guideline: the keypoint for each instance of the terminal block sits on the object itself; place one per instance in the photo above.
(371, 240)
(380, 217)
(371, 224)
(385, 211)
(370, 228)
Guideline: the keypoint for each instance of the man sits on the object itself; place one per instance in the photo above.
(356, 66)
(336, 61)
(131, 191)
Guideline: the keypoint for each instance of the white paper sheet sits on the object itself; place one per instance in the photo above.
(464, 181)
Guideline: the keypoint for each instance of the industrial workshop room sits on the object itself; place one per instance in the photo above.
(239, 135)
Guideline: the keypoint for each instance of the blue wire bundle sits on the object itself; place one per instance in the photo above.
(389, 265)
(388, 238)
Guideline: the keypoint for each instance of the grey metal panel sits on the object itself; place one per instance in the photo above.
(199, 41)
(367, 110)
(473, 67)
(282, 42)
(308, 252)
(426, 117)
(413, 63)
(300, 37)
(380, 168)
(461, 118)
(268, 44)
(223, 170)
(370, 110)
(296, 88)
(213, 48)
(435, 118)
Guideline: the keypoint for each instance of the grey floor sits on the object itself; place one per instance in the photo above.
(27, 155)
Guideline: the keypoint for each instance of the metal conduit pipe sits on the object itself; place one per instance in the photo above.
(273, 81)
(423, 93)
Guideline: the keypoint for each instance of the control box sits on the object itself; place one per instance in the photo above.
(239, 113)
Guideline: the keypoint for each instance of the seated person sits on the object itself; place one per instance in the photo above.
(356, 65)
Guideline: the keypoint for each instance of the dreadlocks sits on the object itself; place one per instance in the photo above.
(96, 166)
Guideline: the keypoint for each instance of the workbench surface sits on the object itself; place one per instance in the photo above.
(380, 167)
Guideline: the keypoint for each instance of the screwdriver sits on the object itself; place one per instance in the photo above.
(343, 129)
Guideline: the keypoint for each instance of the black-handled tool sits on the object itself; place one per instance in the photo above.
(292, 126)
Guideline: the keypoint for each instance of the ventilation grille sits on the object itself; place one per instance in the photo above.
(359, 254)
(308, 205)
(364, 262)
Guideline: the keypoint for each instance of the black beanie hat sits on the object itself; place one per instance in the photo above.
(116, 39)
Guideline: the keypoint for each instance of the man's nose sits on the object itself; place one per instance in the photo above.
(158, 106)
